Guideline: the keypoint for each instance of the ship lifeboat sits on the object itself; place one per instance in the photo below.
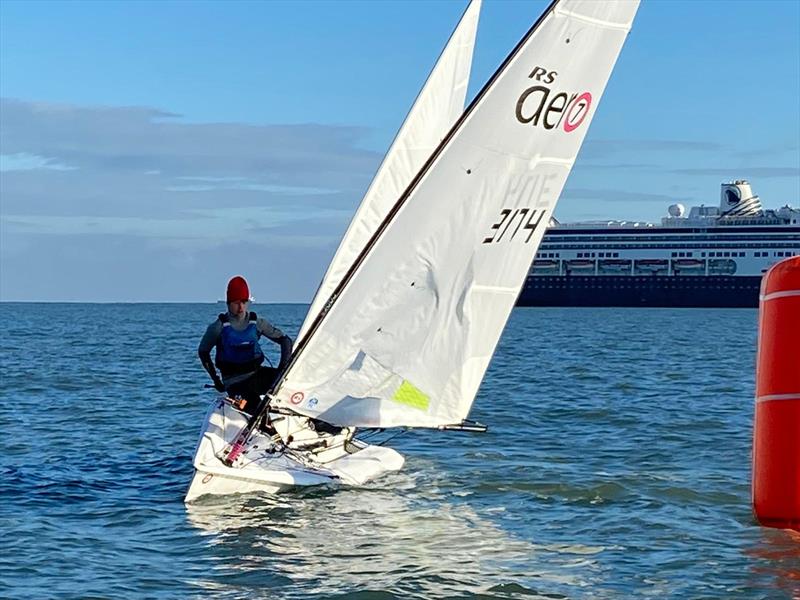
(614, 266)
(689, 266)
(651, 265)
(724, 266)
(580, 264)
(689, 263)
(545, 266)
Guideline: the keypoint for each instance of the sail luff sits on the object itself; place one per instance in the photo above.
(407, 341)
(438, 105)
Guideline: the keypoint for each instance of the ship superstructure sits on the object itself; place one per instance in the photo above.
(712, 257)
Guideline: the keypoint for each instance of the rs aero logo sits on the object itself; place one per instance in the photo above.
(542, 104)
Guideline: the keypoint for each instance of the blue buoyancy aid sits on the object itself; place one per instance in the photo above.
(238, 351)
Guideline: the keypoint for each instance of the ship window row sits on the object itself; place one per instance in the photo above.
(634, 285)
(726, 254)
(598, 254)
(717, 254)
(732, 237)
(548, 245)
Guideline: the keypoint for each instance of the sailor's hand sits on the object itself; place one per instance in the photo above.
(218, 385)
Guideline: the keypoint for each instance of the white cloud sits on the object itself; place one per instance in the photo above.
(240, 183)
(23, 161)
(211, 225)
(161, 209)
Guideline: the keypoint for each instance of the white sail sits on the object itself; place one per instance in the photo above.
(438, 105)
(416, 319)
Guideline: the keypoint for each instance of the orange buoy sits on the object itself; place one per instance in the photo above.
(776, 428)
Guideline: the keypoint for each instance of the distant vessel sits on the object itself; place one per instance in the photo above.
(714, 257)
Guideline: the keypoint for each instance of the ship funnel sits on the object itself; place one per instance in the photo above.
(737, 200)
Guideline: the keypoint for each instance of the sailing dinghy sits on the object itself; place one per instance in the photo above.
(406, 320)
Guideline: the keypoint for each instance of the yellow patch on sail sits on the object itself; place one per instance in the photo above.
(411, 396)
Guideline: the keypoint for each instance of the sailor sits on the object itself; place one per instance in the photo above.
(238, 357)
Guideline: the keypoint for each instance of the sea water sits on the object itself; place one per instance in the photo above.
(616, 465)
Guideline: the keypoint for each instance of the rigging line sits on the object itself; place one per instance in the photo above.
(391, 437)
(323, 448)
(369, 433)
(321, 436)
(301, 426)
(235, 448)
(309, 459)
(347, 438)
(403, 197)
(309, 462)
(246, 460)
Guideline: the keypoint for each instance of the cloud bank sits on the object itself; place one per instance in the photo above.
(102, 189)
(134, 204)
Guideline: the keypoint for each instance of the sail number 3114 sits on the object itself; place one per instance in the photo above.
(511, 222)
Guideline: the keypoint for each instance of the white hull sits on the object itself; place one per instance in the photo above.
(269, 465)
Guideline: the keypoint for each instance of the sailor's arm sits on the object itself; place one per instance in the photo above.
(268, 330)
(204, 352)
(286, 351)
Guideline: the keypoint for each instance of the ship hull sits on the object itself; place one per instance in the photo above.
(646, 290)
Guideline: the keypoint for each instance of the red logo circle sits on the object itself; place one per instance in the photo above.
(296, 398)
(581, 104)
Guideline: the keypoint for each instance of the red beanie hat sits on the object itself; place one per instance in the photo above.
(237, 289)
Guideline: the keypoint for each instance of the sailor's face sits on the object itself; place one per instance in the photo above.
(238, 307)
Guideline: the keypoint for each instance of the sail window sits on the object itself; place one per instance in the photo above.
(410, 395)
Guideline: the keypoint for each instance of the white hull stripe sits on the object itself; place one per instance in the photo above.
(778, 397)
(775, 295)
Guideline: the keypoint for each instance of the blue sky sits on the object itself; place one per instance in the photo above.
(150, 150)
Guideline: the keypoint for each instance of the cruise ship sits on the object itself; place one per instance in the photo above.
(712, 257)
